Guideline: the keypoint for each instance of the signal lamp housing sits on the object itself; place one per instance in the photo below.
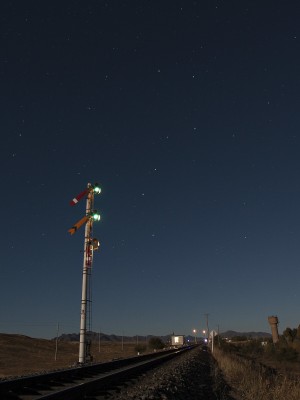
(95, 244)
(95, 215)
(97, 188)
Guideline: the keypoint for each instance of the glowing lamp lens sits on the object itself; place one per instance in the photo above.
(97, 188)
(96, 217)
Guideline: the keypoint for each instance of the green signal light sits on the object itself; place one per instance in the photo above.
(95, 215)
(97, 188)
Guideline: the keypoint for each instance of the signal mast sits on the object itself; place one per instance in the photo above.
(90, 245)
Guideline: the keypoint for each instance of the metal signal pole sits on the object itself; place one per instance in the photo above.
(87, 263)
(90, 244)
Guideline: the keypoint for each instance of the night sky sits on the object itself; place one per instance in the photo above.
(187, 114)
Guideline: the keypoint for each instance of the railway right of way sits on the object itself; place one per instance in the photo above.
(87, 380)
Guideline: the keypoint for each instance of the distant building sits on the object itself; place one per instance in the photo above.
(177, 340)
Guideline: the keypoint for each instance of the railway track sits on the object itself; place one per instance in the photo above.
(94, 381)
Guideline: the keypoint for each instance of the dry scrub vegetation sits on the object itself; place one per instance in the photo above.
(22, 355)
(251, 381)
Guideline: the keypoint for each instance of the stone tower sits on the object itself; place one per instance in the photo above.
(273, 321)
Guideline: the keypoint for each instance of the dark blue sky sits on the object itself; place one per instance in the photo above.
(187, 114)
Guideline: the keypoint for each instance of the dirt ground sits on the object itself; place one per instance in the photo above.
(22, 355)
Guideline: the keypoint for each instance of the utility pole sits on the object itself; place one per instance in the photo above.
(90, 245)
(56, 342)
(207, 329)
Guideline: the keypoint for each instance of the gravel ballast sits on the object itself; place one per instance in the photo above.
(194, 375)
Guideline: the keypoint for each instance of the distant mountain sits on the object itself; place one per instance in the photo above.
(254, 335)
(95, 336)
